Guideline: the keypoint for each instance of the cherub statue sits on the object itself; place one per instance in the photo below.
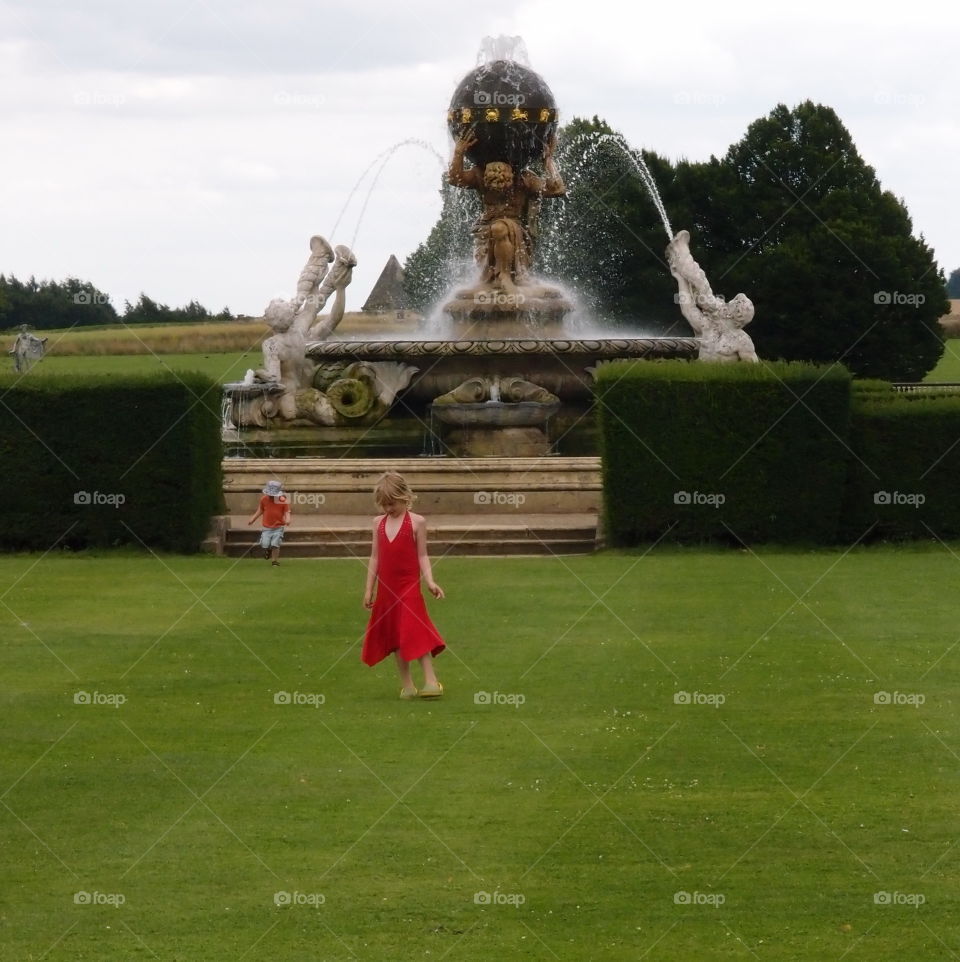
(284, 353)
(718, 323)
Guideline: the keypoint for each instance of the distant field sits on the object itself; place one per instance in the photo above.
(215, 338)
(153, 339)
(221, 367)
(227, 350)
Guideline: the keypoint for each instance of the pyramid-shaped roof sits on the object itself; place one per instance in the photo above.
(387, 293)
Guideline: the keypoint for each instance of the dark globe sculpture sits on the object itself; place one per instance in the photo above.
(511, 110)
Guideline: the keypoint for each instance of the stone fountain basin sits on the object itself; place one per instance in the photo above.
(558, 364)
(244, 390)
(495, 414)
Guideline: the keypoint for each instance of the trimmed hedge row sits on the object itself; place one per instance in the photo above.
(100, 461)
(772, 452)
(903, 470)
(745, 452)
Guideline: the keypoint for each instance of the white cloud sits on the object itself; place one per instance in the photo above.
(190, 149)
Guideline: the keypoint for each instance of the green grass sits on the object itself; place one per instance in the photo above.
(232, 366)
(948, 367)
(222, 367)
(596, 800)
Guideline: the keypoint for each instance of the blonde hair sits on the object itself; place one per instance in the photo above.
(392, 488)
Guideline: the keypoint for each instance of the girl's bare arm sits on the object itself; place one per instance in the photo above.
(420, 533)
(372, 567)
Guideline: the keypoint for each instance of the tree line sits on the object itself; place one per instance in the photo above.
(49, 305)
(791, 215)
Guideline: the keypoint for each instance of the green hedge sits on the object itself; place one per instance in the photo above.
(99, 461)
(743, 452)
(903, 470)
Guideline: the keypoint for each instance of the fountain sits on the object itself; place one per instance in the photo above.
(505, 364)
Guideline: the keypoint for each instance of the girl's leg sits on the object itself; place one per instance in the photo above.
(406, 682)
(275, 555)
(429, 676)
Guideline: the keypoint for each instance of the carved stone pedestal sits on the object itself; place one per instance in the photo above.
(488, 315)
(497, 442)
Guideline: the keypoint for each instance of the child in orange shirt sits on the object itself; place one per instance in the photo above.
(275, 509)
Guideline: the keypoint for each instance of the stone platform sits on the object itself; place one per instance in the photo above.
(474, 506)
(348, 536)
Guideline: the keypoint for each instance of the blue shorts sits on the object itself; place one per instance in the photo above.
(271, 538)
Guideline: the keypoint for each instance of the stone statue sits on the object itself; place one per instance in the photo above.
(476, 390)
(505, 231)
(336, 281)
(291, 386)
(284, 353)
(717, 323)
(26, 349)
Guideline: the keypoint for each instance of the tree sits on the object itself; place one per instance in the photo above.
(953, 284)
(828, 257)
(145, 311)
(45, 305)
(603, 236)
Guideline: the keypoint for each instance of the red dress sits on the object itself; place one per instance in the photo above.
(399, 619)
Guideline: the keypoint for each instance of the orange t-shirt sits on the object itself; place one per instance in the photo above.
(276, 511)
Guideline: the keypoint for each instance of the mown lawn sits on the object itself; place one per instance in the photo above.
(686, 754)
(948, 368)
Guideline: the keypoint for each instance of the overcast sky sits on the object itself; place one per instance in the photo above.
(190, 148)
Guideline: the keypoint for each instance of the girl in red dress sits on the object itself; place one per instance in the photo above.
(399, 622)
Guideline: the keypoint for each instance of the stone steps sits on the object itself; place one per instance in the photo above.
(473, 506)
(346, 537)
(344, 486)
